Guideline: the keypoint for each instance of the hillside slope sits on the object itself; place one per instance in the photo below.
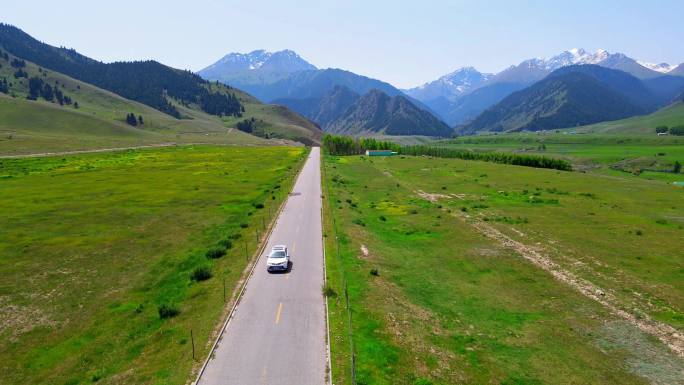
(569, 97)
(200, 107)
(378, 113)
(672, 115)
(561, 101)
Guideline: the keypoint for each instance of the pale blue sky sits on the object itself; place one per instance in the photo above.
(403, 42)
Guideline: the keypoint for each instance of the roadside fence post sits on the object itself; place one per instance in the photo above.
(192, 339)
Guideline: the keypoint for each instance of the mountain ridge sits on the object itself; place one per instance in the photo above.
(570, 96)
(378, 113)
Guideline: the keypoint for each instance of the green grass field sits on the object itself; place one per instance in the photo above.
(650, 157)
(92, 245)
(437, 297)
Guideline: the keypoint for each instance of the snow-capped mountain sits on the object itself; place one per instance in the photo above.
(256, 66)
(663, 68)
(450, 86)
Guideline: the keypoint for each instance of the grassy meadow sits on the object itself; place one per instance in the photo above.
(95, 247)
(435, 300)
(649, 157)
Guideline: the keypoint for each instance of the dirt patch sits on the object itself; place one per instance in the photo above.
(431, 197)
(20, 319)
(402, 316)
(647, 359)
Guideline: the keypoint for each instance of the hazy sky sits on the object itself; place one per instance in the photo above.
(403, 42)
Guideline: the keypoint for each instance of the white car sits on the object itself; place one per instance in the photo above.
(278, 259)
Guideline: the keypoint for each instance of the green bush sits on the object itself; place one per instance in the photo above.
(201, 273)
(168, 311)
(258, 205)
(226, 244)
(661, 129)
(329, 292)
(216, 252)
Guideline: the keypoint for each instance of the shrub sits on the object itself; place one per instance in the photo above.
(258, 205)
(226, 244)
(382, 218)
(168, 311)
(374, 272)
(216, 252)
(329, 292)
(244, 225)
(201, 273)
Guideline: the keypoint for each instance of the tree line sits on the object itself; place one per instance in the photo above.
(343, 145)
(147, 82)
(247, 125)
(676, 130)
(133, 121)
(40, 88)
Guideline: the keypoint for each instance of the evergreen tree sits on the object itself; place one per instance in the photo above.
(47, 93)
(35, 88)
(131, 119)
(140, 120)
(60, 96)
(4, 87)
(677, 167)
(16, 63)
(76, 105)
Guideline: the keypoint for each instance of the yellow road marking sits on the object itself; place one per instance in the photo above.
(280, 309)
(263, 375)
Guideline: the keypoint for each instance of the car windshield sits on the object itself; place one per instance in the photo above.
(277, 254)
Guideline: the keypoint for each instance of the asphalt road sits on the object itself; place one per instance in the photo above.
(277, 334)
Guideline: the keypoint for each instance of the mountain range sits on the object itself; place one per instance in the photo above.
(459, 98)
(288, 97)
(467, 105)
(577, 95)
(326, 95)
